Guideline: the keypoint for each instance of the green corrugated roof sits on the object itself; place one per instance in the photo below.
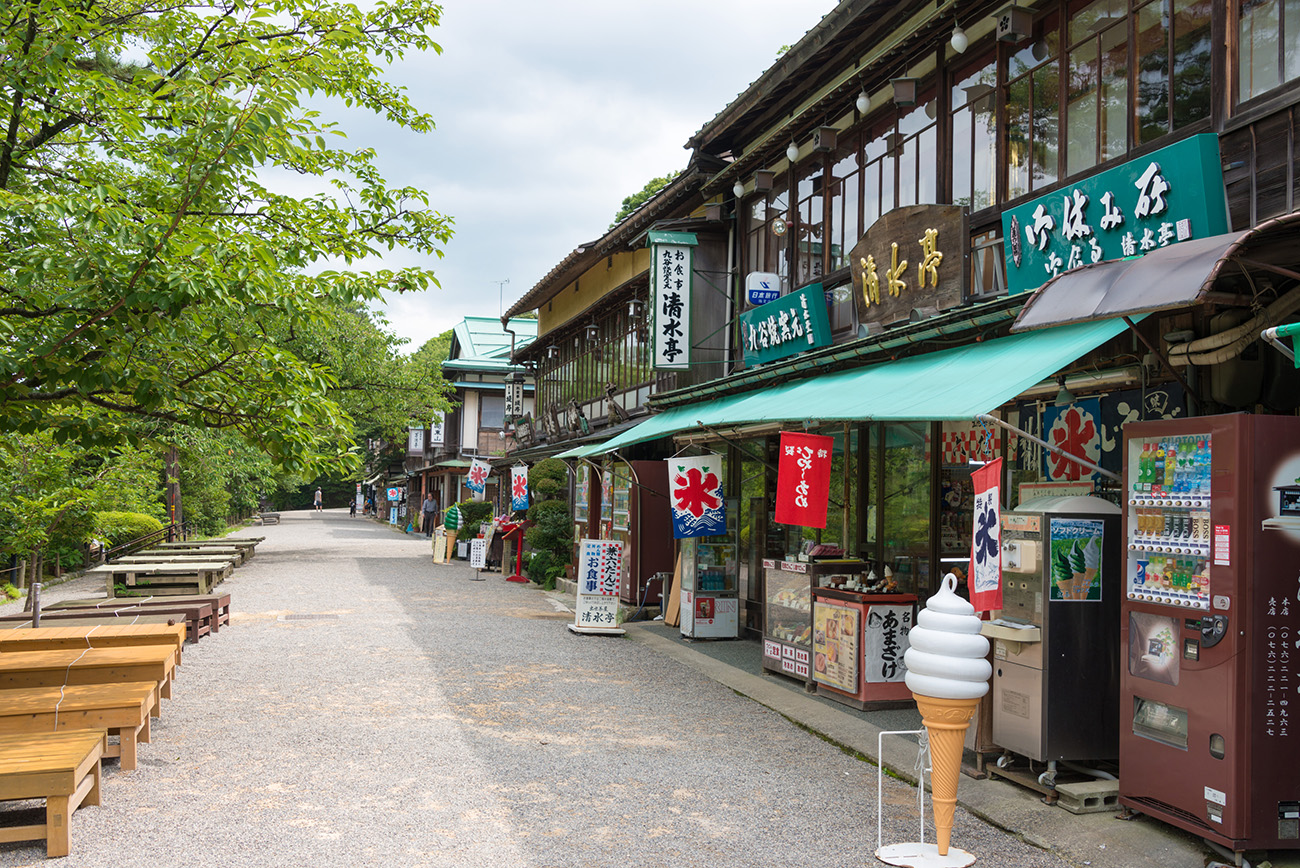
(960, 383)
(481, 338)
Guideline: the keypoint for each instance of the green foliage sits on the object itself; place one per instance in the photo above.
(549, 479)
(120, 527)
(636, 200)
(551, 535)
(472, 514)
(153, 270)
(9, 591)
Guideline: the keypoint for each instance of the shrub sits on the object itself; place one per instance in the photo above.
(122, 527)
(472, 514)
(8, 591)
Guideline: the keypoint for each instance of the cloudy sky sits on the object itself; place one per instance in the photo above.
(549, 114)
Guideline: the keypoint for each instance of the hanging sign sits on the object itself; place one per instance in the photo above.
(762, 287)
(514, 397)
(519, 488)
(476, 479)
(435, 430)
(670, 294)
(696, 495)
(1076, 429)
(986, 549)
(1171, 195)
(912, 258)
(785, 327)
(803, 479)
(415, 439)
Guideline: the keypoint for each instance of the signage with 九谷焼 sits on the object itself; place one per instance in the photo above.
(790, 325)
(1171, 195)
(912, 257)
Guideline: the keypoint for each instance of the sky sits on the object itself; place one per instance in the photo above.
(550, 113)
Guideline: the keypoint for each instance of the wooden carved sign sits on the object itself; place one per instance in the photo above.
(912, 257)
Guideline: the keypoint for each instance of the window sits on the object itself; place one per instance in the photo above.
(1173, 66)
(1097, 85)
(764, 249)
(492, 411)
(1032, 98)
(974, 142)
(1268, 45)
(987, 265)
(810, 229)
(845, 203)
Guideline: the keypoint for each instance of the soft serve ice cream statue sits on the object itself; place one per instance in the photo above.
(947, 672)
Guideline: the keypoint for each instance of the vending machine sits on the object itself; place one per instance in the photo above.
(1210, 628)
(710, 582)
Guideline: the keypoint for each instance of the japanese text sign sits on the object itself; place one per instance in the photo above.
(696, 488)
(519, 488)
(436, 430)
(1076, 429)
(986, 550)
(762, 287)
(787, 326)
(415, 439)
(912, 257)
(476, 479)
(803, 479)
(599, 563)
(670, 295)
(885, 641)
(1171, 195)
(514, 398)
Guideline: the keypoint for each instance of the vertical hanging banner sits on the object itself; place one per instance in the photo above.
(986, 549)
(696, 489)
(803, 479)
(599, 571)
(476, 479)
(436, 430)
(670, 297)
(519, 488)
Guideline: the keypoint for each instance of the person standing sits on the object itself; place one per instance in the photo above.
(428, 509)
(317, 501)
(451, 523)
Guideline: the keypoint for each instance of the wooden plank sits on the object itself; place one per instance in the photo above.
(81, 619)
(220, 603)
(89, 666)
(121, 710)
(673, 616)
(63, 769)
(99, 636)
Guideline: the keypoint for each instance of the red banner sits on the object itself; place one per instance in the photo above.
(803, 479)
(985, 580)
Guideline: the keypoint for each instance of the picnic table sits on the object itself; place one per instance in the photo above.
(60, 767)
(159, 578)
(122, 710)
(156, 663)
(130, 607)
(98, 636)
(167, 552)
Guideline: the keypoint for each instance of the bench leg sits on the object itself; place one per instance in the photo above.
(145, 730)
(57, 840)
(126, 748)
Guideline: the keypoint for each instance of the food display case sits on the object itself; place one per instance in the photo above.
(787, 616)
(859, 640)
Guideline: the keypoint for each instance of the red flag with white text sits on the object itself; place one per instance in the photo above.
(803, 479)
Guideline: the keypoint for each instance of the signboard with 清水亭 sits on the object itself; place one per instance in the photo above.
(913, 257)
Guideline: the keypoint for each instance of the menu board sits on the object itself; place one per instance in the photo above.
(835, 646)
(886, 642)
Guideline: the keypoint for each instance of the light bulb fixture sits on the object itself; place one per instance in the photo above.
(792, 152)
(738, 189)
(1064, 396)
(593, 332)
(959, 40)
(634, 308)
(905, 91)
(552, 352)
(863, 102)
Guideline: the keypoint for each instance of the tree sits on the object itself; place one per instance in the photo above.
(636, 200)
(149, 267)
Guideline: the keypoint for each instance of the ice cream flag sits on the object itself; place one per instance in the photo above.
(986, 550)
(803, 479)
(519, 487)
(698, 508)
(476, 479)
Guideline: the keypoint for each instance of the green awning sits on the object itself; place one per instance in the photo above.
(960, 383)
(586, 449)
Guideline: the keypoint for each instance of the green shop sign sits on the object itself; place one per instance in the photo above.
(1170, 195)
(790, 325)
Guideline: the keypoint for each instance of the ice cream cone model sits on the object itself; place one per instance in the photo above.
(947, 673)
(1077, 568)
(1063, 576)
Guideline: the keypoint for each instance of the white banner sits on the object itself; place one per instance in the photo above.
(476, 479)
(514, 399)
(415, 441)
(435, 430)
(671, 297)
(478, 553)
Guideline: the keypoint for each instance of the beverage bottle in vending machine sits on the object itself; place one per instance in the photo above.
(1171, 466)
(1158, 469)
(1144, 469)
(1203, 468)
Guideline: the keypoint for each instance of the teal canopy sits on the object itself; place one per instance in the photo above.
(960, 383)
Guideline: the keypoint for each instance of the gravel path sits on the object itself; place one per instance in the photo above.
(442, 722)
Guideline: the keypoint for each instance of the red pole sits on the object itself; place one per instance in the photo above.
(519, 557)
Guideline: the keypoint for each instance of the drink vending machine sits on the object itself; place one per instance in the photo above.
(1210, 628)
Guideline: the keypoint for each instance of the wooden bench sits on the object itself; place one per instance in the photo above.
(60, 767)
(269, 517)
(156, 663)
(122, 710)
(80, 619)
(199, 618)
(167, 553)
(155, 579)
(246, 545)
(132, 606)
(98, 636)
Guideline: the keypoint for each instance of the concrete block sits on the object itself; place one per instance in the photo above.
(1088, 797)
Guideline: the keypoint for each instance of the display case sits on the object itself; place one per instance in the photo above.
(859, 640)
(787, 615)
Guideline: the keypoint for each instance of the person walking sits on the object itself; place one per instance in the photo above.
(429, 510)
(451, 523)
(352, 508)
(317, 501)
